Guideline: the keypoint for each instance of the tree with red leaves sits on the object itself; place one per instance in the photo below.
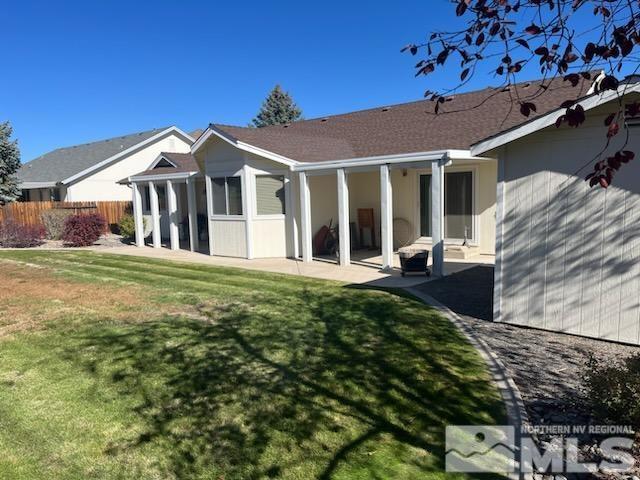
(568, 38)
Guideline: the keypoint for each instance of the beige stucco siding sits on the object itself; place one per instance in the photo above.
(568, 256)
(102, 186)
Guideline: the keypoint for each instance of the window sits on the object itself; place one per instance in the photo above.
(458, 205)
(227, 195)
(54, 194)
(270, 194)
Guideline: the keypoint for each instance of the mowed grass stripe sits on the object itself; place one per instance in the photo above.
(281, 284)
(159, 281)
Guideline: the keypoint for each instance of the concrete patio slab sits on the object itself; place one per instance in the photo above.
(365, 268)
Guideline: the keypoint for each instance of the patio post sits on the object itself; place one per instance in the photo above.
(305, 218)
(290, 208)
(386, 217)
(194, 241)
(172, 208)
(137, 215)
(155, 215)
(343, 218)
(437, 216)
(209, 191)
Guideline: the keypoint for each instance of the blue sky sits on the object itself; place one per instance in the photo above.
(83, 71)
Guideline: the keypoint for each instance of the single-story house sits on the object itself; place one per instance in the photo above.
(90, 172)
(568, 256)
(267, 191)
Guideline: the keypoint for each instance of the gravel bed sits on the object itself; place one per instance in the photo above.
(109, 240)
(547, 367)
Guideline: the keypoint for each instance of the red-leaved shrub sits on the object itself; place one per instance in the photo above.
(17, 235)
(83, 230)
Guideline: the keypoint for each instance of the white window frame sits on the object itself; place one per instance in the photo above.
(265, 173)
(227, 216)
(474, 240)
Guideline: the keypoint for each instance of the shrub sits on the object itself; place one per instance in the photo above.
(16, 235)
(127, 226)
(83, 230)
(53, 221)
(613, 390)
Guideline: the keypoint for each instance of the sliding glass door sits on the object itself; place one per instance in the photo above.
(458, 205)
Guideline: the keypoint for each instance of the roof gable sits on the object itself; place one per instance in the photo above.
(68, 163)
(588, 102)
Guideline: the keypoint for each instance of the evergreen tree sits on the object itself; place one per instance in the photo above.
(278, 109)
(9, 165)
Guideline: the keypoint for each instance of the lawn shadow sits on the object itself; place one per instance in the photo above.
(330, 379)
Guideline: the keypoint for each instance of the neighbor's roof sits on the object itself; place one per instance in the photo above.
(184, 162)
(63, 163)
(406, 128)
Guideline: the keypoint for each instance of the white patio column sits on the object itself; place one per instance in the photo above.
(343, 218)
(290, 207)
(386, 217)
(137, 215)
(155, 215)
(305, 218)
(172, 209)
(437, 216)
(209, 191)
(248, 194)
(194, 241)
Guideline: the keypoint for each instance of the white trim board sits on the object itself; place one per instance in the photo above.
(34, 185)
(124, 153)
(164, 176)
(389, 159)
(211, 130)
(548, 119)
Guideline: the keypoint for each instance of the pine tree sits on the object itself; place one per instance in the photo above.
(9, 165)
(278, 109)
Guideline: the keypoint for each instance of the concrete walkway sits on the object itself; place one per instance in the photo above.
(363, 271)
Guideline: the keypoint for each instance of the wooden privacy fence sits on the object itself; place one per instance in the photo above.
(28, 213)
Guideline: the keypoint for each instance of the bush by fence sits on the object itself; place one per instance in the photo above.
(82, 230)
(17, 235)
(30, 213)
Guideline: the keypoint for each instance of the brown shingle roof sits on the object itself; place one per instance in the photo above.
(407, 128)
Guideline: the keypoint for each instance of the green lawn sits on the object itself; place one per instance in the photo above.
(124, 367)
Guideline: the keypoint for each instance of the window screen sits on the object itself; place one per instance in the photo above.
(234, 194)
(219, 196)
(270, 194)
(227, 195)
(458, 205)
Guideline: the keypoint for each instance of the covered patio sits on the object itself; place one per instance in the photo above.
(169, 204)
(417, 190)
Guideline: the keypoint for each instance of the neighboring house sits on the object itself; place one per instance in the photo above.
(268, 190)
(90, 172)
(568, 256)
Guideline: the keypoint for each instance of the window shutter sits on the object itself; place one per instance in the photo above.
(270, 194)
